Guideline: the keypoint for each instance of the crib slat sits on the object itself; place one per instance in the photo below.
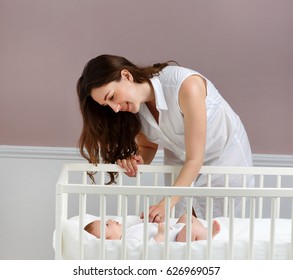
(119, 202)
(102, 226)
(244, 185)
(209, 226)
(251, 228)
(209, 185)
(167, 225)
(260, 199)
(59, 216)
(273, 227)
(137, 205)
(226, 185)
(65, 205)
(173, 209)
(172, 178)
(82, 211)
(279, 180)
(155, 184)
(124, 221)
(102, 178)
(146, 227)
(188, 227)
(231, 228)
(137, 197)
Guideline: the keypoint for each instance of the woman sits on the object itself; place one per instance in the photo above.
(128, 111)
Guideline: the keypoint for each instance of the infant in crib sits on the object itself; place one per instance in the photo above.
(113, 230)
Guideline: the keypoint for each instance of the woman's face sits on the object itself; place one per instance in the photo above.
(120, 96)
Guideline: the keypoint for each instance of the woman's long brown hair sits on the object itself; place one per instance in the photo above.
(108, 136)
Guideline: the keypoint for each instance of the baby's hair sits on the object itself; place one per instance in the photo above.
(89, 227)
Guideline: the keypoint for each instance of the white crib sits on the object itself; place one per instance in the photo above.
(264, 230)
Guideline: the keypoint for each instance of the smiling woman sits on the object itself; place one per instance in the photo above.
(129, 110)
(108, 85)
(123, 95)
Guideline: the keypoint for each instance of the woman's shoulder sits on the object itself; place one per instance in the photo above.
(176, 69)
(174, 74)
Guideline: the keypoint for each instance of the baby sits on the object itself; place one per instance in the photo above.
(113, 230)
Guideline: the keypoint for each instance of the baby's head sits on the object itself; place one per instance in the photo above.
(113, 230)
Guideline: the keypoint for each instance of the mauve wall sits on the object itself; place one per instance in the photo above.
(245, 47)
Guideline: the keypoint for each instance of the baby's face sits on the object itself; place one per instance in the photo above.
(113, 230)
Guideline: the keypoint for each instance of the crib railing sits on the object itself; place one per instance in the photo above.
(123, 191)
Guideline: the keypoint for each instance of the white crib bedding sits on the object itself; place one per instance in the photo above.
(220, 244)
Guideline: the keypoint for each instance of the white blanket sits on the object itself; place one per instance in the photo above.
(220, 244)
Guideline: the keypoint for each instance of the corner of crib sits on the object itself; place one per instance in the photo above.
(60, 210)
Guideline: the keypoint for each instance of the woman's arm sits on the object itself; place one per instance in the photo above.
(192, 97)
(147, 149)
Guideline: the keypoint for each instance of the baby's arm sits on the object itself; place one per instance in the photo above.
(160, 236)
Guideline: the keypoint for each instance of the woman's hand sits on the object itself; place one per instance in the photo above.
(130, 164)
(156, 213)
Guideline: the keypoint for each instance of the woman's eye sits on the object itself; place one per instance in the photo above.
(112, 97)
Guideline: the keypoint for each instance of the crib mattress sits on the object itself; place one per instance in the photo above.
(220, 244)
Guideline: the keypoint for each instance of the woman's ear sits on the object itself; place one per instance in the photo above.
(125, 74)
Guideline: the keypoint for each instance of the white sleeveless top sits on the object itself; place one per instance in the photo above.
(225, 132)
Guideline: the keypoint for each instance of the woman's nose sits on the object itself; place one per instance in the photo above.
(114, 106)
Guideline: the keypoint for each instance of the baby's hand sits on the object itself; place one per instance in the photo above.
(160, 237)
(161, 228)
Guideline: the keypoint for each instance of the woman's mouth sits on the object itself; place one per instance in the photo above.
(126, 107)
